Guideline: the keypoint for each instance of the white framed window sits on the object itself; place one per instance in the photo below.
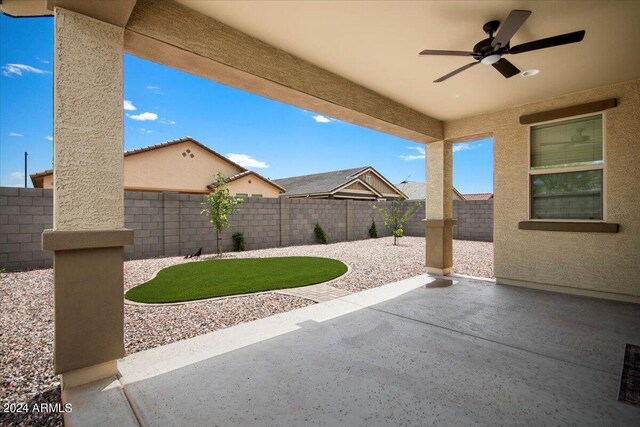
(256, 195)
(567, 169)
(242, 195)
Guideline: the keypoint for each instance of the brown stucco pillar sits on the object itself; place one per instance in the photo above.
(88, 237)
(439, 222)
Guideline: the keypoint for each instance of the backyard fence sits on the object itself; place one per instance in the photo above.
(168, 224)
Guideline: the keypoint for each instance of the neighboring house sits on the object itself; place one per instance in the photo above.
(184, 166)
(478, 196)
(364, 183)
(415, 190)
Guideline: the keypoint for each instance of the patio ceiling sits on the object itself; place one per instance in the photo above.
(376, 44)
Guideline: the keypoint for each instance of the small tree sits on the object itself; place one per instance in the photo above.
(395, 217)
(218, 206)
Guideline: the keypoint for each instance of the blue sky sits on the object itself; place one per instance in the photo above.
(275, 139)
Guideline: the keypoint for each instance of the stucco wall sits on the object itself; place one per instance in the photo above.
(47, 181)
(88, 126)
(587, 261)
(167, 169)
(173, 168)
(251, 184)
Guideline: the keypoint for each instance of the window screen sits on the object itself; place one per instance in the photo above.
(569, 195)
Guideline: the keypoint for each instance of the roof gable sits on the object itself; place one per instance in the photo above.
(181, 141)
(317, 183)
(247, 173)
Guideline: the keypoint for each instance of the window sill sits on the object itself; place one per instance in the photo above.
(584, 227)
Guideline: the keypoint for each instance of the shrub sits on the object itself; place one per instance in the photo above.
(319, 232)
(238, 241)
(373, 231)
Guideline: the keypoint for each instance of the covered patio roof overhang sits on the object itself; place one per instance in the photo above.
(382, 93)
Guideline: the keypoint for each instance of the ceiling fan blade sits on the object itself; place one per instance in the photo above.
(453, 73)
(513, 23)
(548, 42)
(446, 53)
(506, 68)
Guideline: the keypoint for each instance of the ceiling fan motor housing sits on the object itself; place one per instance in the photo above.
(483, 47)
(491, 27)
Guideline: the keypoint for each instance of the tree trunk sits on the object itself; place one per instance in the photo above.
(218, 243)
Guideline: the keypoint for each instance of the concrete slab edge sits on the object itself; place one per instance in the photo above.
(160, 360)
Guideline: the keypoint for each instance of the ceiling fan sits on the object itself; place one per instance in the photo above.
(490, 51)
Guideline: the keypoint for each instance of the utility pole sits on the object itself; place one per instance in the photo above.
(25, 169)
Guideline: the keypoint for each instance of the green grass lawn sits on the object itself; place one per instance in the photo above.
(224, 277)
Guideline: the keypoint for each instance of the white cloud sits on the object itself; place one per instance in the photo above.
(17, 175)
(321, 119)
(465, 146)
(144, 116)
(15, 134)
(44, 61)
(128, 105)
(167, 122)
(153, 87)
(49, 137)
(247, 161)
(419, 156)
(145, 131)
(11, 70)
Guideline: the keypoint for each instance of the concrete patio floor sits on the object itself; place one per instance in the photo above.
(400, 354)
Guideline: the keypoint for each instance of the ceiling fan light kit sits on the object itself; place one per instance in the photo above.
(490, 51)
(491, 59)
(530, 73)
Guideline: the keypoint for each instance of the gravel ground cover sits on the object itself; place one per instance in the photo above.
(26, 314)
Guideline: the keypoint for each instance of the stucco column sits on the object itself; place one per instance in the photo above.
(88, 237)
(439, 222)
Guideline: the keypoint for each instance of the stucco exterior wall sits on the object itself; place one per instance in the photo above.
(173, 168)
(88, 129)
(169, 170)
(253, 185)
(576, 260)
(47, 181)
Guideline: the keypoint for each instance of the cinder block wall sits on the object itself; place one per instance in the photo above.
(24, 214)
(475, 220)
(170, 224)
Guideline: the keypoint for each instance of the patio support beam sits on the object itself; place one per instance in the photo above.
(174, 35)
(88, 238)
(439, 222)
